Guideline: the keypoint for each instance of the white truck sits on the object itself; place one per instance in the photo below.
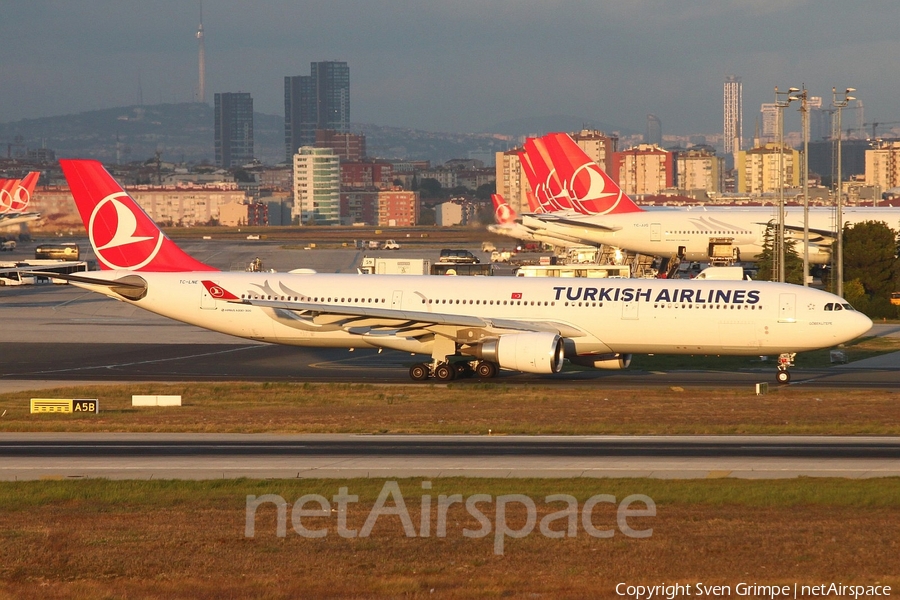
(394, 266)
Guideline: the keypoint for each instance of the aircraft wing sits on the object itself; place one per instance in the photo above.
(410, 319)
(816, 236)
(11, 219)
(575, 222)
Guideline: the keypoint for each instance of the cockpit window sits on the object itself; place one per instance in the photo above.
(829, 306)
(837, 306)
(848, 307)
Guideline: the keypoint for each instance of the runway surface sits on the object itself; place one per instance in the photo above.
(112, 362)
(213, 456)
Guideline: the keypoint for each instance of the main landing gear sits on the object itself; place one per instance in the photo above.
(785, 361)
(448, 371)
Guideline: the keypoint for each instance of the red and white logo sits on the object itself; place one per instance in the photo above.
(20, 198)
(122, 235)
(516, 295)
(589, 185)
(6, 198)
(217, 291)
(503, 213)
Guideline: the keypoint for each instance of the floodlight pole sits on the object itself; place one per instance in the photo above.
(839, 189)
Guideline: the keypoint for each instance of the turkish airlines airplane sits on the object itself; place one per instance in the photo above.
(662, 232)
(491, 323)
(509, 224)
(15, 194)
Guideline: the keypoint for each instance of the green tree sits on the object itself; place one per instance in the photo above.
(485, 190)
(430, 188)
(870, 258)
(793, 264)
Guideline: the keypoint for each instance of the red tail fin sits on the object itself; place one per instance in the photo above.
(503, 212)
(6, 188)
(547, 187)
(122, 234)
(589, 188)
(21, 193)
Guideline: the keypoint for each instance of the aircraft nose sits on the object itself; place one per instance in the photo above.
(859, 324)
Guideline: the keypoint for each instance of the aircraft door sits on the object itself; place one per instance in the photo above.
(630, 310)
(787, 308)
(655, 232)
(397, 299)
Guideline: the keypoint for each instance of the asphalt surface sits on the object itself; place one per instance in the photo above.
(205, 456)
(61, 333)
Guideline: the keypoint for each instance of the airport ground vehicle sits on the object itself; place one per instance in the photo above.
(449, 255)
(66, 251)
(521, 324)
(589, 271)
(390, 245)
(394, 266)
(8, 246)
(462, 269)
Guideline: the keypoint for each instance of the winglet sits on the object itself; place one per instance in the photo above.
(122, 234)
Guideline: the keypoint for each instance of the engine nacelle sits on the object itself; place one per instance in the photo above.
(603, 361)
(536, 352)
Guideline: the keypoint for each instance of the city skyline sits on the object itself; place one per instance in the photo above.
(463, 66)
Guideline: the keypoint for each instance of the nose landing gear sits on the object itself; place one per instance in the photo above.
(785, 361)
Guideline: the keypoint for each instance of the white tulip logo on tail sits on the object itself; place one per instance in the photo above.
(589, 184)
(20, 198)
(133, 243)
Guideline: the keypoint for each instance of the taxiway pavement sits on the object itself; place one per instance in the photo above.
(216, 456)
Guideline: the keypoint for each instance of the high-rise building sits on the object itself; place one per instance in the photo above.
(759, 171)
(644, 170)
(349, 146)
(317, 186)
(654, 131)
(734, 129)
(320, 100)
(234, 129)
(699, 168)
(770, 115)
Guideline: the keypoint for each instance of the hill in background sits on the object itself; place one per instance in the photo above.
(185, 133)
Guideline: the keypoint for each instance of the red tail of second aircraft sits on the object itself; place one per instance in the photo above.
(122, 234)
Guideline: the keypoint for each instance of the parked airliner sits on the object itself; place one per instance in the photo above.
(15, 195)
(569, 186)
(520, 324)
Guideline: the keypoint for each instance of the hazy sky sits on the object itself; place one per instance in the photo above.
(455, 65)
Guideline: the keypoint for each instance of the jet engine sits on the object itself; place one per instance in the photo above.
(602, 361)
(536, 352)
